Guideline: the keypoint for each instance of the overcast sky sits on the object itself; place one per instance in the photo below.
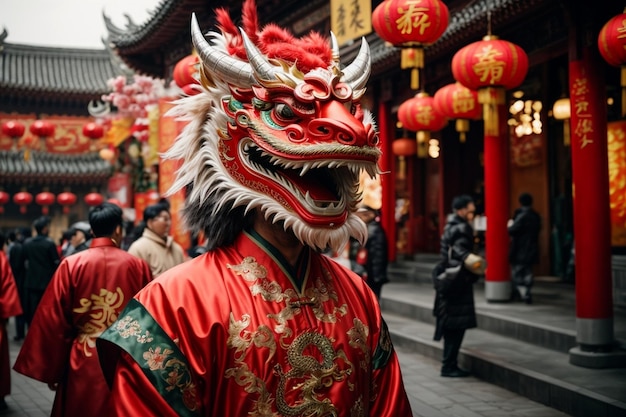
(68, 23)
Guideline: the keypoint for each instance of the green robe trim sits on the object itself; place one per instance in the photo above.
(384, 349)
(137, 333)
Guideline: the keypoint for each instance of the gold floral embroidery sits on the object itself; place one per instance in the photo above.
(240, 339)
(358, 339)
(128, 327)
(102, 309)
(155, 358)
(174, 373)
(358, 409)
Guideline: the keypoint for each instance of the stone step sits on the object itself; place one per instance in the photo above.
(543, 375)
(528, 331)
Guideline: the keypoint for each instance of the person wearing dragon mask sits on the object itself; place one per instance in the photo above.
(263, 324)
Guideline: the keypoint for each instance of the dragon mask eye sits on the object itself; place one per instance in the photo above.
(284, 112)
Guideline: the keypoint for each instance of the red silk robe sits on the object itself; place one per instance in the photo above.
(86, 294)
(230, 333)
(9, 307)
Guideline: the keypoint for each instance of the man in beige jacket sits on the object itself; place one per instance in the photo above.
(155, 245)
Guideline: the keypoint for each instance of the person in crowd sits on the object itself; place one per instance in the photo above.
(10, 306)
(80, 237)
(41, 259)
(15, 255)
(198, 246)
(370, 260)
(454, 305)
(263, 323)
(87, 293)
(524, 250)
(65, 246)
(155, 245)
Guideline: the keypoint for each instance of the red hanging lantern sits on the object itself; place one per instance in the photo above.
(94, 199)
(612, 46)
(402, 148)
(66, 199)
(4, 198)
(456, 101)
(43, 129)
(93, 131)
(412, 26)
(184, 73)
(418, 114)
(23, 199)
(13, 129)
(45, 199)
(490, 66)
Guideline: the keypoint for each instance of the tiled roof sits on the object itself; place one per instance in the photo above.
(142, 46)
(34, 75)
(155, 46)
(50, 168)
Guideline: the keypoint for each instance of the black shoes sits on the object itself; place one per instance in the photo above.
(455, 373)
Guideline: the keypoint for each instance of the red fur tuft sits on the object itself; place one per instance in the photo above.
(310, 52)
(250, 20)
(231, 33)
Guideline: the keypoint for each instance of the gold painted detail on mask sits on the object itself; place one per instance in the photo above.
(102, 309)
(310, 376)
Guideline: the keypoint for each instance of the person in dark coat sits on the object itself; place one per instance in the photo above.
(41, 259)
(524, 249)
(16, 260)
(370, 261)
(454, 305)
(80, 237)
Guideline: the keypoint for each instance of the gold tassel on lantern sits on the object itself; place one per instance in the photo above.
(413, 57)
(401, 174)
(423, 136)
(491, 98)
(462, 126)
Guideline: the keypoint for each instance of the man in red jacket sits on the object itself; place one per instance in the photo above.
(86, 294)
(9, 307)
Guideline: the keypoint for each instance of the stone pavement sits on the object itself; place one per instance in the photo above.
(523, 348)
(430, 395)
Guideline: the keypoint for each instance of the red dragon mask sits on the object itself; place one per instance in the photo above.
(276, 127)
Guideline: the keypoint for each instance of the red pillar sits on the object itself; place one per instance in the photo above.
(592, 228)
(387, 179)
(497, 210)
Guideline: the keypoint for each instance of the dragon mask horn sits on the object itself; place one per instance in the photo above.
(229, 69)
(237, 72)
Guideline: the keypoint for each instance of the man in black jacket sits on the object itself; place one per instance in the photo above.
(41, 259)
(454, 304)
(524, 249)
(370, 261)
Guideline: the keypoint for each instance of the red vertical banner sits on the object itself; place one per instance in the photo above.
(592, 229)
(617, 181)
(497, 210)
(387, 179)
(169, 129)
(143, 200)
